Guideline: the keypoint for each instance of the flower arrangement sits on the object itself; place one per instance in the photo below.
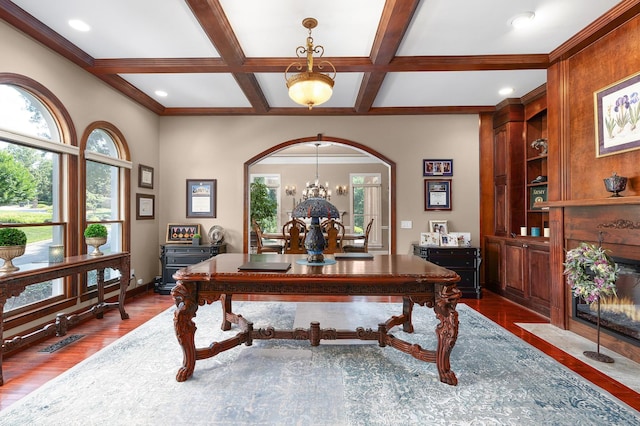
(590, 272)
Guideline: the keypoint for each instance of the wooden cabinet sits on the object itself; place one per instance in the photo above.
(178, 256)
(465, 261)
(527, 276)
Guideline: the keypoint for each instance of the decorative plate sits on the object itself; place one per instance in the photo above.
(216, 234)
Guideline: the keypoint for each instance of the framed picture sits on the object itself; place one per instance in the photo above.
(145, 176)
(464, 238)
(181, 233)
(437, 167)
(438, 226)
(201, 198)
(448, 240)
(429, 239)
(617, 117)
(437, 194)
(145, 206)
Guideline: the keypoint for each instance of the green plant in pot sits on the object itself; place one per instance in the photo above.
(95, 235)
(13, 242)
(262, 208)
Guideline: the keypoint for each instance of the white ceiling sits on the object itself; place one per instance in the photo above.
(270, 30)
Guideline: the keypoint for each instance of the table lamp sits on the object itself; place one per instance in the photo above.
(315, 208)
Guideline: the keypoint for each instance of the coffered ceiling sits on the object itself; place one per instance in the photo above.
(227, 57)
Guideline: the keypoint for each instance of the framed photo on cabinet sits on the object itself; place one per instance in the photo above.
(181, 233)
(201, 198)
(437, 194)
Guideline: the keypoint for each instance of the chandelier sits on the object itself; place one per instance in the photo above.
(310, 87)
(316, 189)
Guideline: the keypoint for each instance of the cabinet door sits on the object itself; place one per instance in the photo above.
(492, 271)
(539, 278)
(514, 268)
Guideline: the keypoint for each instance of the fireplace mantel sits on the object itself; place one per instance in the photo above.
(610, 201)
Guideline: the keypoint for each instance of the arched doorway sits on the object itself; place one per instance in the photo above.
(311, 139)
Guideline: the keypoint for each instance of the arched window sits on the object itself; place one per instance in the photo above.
(105, 174)
(35, 147)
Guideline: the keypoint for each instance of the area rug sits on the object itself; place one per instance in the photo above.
(502, 380)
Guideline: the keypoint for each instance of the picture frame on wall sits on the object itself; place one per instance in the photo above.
(145, 176)
(437, 194)
(145, 206)
(201, 198)
(617, 117)
(182, 233)
(437, 167)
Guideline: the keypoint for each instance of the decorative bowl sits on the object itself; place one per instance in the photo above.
(615, 184)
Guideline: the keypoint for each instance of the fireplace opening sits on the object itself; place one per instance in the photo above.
(619, 315)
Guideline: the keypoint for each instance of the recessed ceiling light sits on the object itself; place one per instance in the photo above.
(161, 93)
(522, 20)
(79, 25)
(506, 91)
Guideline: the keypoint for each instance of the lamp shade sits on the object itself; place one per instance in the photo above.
(310, 88)
(316, 207)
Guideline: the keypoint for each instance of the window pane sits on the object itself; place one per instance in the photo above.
(101, 142)
(102, 192)
(21, 112)
(35, 293)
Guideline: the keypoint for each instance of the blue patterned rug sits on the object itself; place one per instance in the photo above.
(502, 380)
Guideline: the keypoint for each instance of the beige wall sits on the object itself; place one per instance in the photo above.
(218, 147)
(181, 148)
(88, 99)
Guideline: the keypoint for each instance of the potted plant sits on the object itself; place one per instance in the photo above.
(263, 208)
(12, 244)
(95, 235)
(195, 240)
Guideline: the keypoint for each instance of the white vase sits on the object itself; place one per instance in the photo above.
(8, 253)
(95, 242)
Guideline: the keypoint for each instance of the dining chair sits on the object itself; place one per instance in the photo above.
(264, 248)
(352, 248)
(334, 233)
(295, 232)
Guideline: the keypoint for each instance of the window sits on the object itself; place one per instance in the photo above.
(31, 158)
(366, 204)
(273, 185)
(106, 173)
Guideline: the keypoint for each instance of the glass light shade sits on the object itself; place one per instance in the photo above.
(56, 254)
(310, 88)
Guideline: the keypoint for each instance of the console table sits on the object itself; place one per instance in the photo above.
(415, 279)
(177, 256)
(465, 261)
(12, 284)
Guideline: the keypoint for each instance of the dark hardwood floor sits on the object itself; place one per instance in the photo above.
(28, 369)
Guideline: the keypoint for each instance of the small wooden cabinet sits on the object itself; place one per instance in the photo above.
(465, 261)
(178, 256)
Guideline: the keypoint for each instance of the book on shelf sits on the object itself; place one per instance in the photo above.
(537, 194)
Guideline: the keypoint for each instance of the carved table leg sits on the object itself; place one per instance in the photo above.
(225, 303)
(185, 328)
(407, 311)
(100, 274)
(124, 283)
(447, 330)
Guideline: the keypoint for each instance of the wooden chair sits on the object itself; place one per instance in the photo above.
(295, 232)
(352, 248)
(334, 233)
(262, 248)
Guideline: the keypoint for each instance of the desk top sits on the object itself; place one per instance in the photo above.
(382, 269)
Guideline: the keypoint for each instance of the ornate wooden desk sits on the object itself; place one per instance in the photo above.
(13, 284)
(415, 279)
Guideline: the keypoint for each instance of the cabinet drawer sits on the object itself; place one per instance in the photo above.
(187, 250)
(186, 260)
(442, 251)
(453, 261)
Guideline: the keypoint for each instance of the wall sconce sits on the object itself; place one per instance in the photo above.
(342, 190)
(56, 254)
(290, 190)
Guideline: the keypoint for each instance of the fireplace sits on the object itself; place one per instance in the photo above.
(619, 316)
